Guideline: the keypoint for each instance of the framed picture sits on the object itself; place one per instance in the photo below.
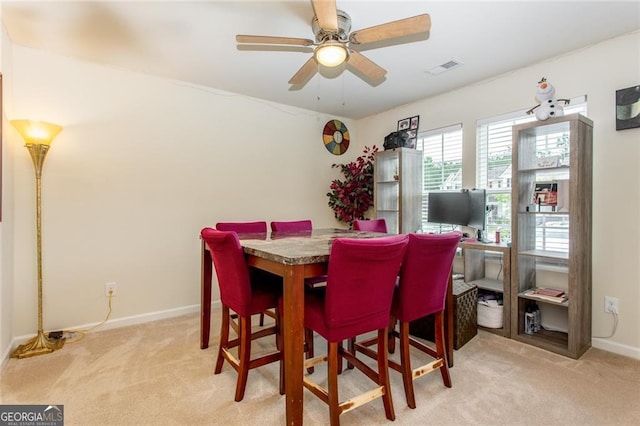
(404, 124)
(628, 108)
(415, 121)
(412, 133)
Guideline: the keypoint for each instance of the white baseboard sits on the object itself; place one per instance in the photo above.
(111, 324)
(616, 348)
(603, 344)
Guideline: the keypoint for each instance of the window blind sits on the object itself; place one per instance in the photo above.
(493, 169)
(442, 166)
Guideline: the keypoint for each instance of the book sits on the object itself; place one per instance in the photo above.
(555, 299)
(545, 193)
(555, 292)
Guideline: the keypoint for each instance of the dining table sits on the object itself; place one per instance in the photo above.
(294, 256)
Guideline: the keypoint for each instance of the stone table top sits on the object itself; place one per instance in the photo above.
(300, 247)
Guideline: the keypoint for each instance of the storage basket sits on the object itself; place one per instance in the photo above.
(490, 314)
(465, 302)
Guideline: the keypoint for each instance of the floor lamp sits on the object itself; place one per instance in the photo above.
(38, 136)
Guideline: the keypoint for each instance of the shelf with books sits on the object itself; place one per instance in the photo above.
(535, 294)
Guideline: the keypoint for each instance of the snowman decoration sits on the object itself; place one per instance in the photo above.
(549, 106)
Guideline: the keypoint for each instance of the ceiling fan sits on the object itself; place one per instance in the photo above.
(334, 42)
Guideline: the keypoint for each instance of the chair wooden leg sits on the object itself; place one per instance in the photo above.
(441, 348)
(340, 350)
(280, 347)
(261, 319)
(405, 362)
(244, 354)
(224, 339)
(351, 347)
(332, 378)
(392, 340)
(308, 340)
(383, 374)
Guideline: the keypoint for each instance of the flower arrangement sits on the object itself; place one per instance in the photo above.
(351, 197)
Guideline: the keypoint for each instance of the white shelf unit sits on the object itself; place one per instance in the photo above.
(398, 189)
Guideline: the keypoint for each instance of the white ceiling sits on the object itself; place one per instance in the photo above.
(195, 42)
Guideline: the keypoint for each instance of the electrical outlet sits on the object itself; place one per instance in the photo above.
(110, 287)
(611, 304)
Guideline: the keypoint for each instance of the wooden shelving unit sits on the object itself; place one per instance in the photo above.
(398, 189)
(556, 238)
(475, 255)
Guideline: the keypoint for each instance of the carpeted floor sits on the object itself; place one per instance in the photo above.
(155, 373)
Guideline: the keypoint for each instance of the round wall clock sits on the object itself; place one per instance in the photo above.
(335, 137)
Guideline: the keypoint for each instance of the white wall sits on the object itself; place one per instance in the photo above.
(597, 71)
(141, 166)
(144, 163)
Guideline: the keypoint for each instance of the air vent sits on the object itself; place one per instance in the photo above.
(449, 65)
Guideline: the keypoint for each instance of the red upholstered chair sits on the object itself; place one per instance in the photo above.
(291, 226)
(252, 227)
(357, 299)
(297, 227)
(373, 225)
(422, 290)
(245, 297)
(259, 227)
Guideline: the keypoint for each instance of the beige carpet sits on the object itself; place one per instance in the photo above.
(155, 373)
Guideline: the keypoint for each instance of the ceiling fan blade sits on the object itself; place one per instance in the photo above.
(403, 27)
(365, 66)
(305, 72)
(254, 39)
(327, 14)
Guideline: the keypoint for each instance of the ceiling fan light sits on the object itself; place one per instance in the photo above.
(331, 54)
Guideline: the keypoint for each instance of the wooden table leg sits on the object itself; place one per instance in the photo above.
(293, 333)
(448, 319)
(205, 297)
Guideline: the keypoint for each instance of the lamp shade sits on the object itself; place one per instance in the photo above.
(36, 132)
(331, 54)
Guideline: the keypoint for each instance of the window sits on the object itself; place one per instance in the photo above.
(442, 166)
(494, 145)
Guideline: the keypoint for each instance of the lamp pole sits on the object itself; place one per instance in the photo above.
(38, 137)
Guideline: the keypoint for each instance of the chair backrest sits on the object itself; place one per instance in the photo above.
(291, 226)
(425, 275)
(231, 268)
(242, 226)
(360, 282)
(373, 225)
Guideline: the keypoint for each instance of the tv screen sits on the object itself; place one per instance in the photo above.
(450, 207)
(466, 207)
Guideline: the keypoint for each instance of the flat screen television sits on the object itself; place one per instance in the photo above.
(450, 207)
(466, 207)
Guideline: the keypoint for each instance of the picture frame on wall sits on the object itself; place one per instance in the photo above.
(404, 124)
(414, 123)
(628, 108)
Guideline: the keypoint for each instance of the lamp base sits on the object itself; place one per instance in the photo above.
(39, 345)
